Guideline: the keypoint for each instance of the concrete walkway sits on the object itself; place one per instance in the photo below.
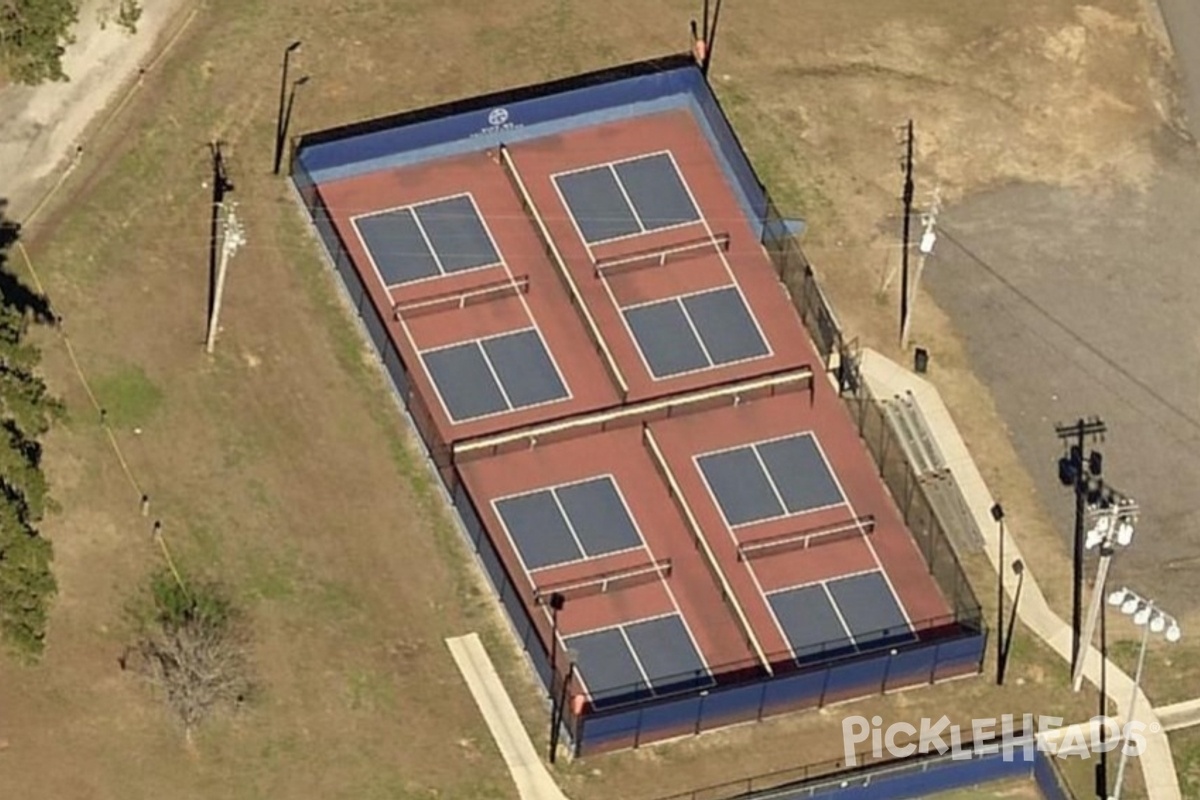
(886, 379)
(528, 772)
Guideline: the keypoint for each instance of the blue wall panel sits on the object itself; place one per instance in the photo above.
(727, 705)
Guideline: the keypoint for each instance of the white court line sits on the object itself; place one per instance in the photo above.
(410, 207)
(612, 299)
(628, 201)
(570, 526)
(665, 583)
(495, 375)
(762, 465)
(584, 555)
(867, 540)
(695, 332)
(636, 660)
(746, 564)
(721, 254)
(611, 163)
(838, 612)
(662, 579)
(808, 584)
(479, 343)
(755, 445)
(621, 624)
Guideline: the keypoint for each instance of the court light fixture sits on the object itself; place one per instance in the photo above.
(1142, 616)
(1157, 623)
(1173, 633)
(1117, 597)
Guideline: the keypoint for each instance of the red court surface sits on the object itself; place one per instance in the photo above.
(545, 306)
(745, 264)
(622, 455)
(694, 577)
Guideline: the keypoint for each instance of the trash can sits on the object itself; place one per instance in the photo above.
(921, 360)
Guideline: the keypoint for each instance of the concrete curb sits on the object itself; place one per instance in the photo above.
(533, 780)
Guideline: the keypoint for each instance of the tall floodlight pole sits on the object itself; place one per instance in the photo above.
(1151, 619)
(1079, 472)
(280, 133)
(1113, 518)
(232, 238)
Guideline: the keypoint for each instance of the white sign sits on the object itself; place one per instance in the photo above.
(1102, 735)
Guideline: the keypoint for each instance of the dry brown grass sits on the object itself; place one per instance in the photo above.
(282, 466)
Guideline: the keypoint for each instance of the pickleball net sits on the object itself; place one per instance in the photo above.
(603, 583)
(661, 256)
(820, 536)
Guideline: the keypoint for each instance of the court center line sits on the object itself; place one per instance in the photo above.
(696, 333)
(570, 526)
(721, 254)
(612, 170)
(838, 612)
(612, 299)
(428, 242)
(746, 565)
(666, 585)
(866, 538)
(637, 660)
(770, 480)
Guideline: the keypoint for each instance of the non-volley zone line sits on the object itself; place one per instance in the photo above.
(646, 411)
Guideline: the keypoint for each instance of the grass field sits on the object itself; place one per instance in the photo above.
(282, 466)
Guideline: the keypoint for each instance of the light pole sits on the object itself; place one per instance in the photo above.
(998, 516)
(1152, 620)
(556, 602)
(1113, 517)
(279, 122)
(1079, 470)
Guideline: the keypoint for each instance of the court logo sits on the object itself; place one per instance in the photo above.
(498, 121)
(985, 736)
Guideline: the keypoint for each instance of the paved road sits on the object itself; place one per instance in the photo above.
(1182, 18)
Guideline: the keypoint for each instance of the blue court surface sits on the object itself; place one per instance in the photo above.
(840, 616)
(568, 523)
(696, 331)
(624, 198)
(489, 376)
(636, 660)
(767, 480)
(426, 240)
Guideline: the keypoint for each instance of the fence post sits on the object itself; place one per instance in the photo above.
(762, 699)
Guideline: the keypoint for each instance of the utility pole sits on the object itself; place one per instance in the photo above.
(1082, 474)
(908, 200)
(928, 240)
(232, 238)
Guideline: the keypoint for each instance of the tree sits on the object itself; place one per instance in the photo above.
(26, 412)
(191, 645)
(34, 34)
